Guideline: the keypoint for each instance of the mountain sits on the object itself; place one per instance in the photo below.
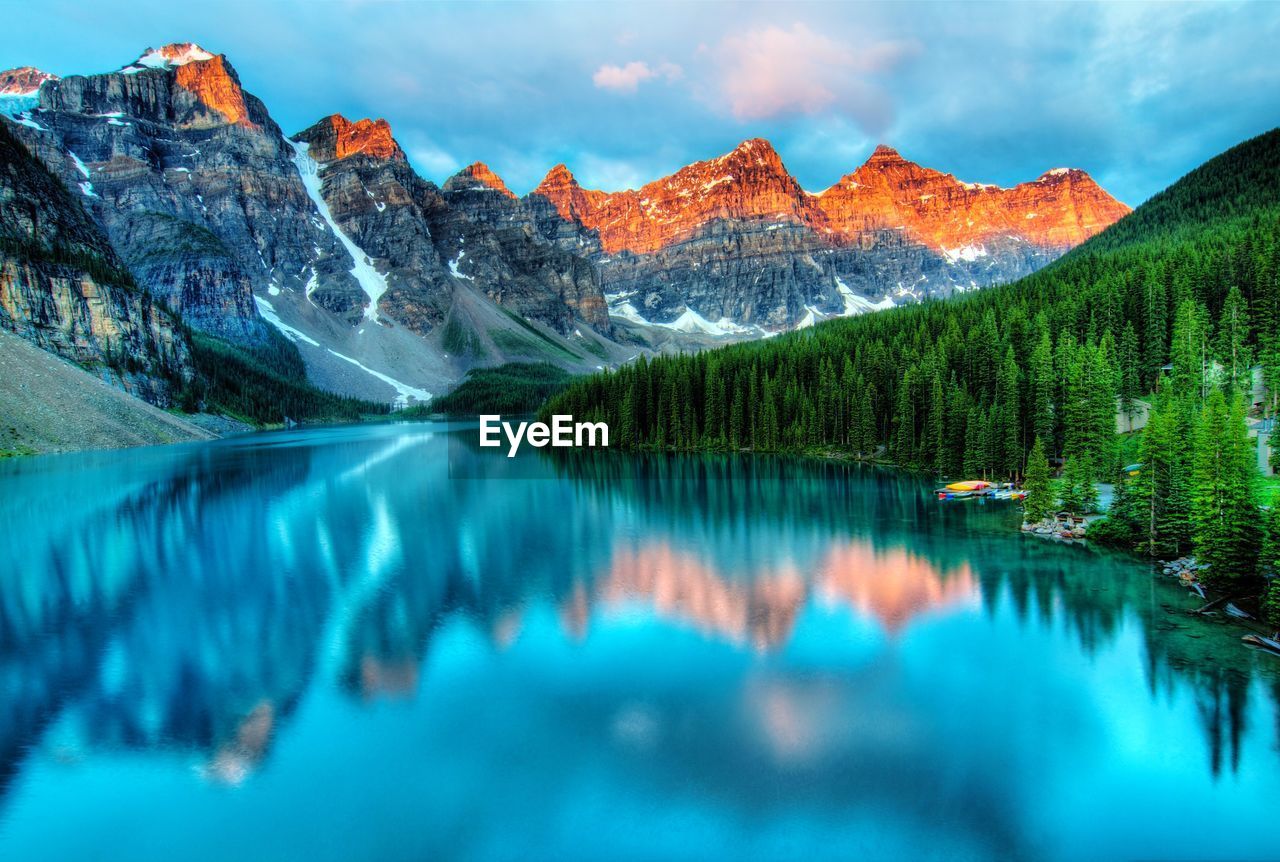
(965, 387)
(63, 288)
(1057, 211)
(737, 241)
(391, 288)
(18, 88)
(192, 182)
(458, 270)
(241, 230)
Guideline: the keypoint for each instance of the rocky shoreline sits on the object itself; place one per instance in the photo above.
(1069, 528)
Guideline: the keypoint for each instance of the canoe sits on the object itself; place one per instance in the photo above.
(968, 486)
(944, 494)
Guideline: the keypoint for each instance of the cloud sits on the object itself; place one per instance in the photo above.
(428, 157)
(626, 79)
(611, 174)
(993, 92)
(772, 71)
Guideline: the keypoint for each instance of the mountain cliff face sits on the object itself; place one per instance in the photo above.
(331, 238)
(490, 237)
(393, 287)
(430, 243)
(375, 198)
(733, 242)
(63, 288)
(748, 183)
(195, 186)
(1056, 212)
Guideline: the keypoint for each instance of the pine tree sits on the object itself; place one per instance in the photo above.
(627, 427)
(1164, 486)
(1225, 521)
(1269, 559)
(1130, 379)
(1156, 325)
(1006, 442)
(1233, 338)
(867, 423)
(935, 427)
(1039, 502)
(1123, 525)
(1079, 493)
(975, 443)
(1190, 351)
(1040, 370)
(1102, 383)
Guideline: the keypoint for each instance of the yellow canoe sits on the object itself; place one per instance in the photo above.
(968, 486)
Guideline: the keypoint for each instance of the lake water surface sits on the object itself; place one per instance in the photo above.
(378, 643)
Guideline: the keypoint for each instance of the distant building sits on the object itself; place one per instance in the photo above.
(1263, 429)
(1135, 419)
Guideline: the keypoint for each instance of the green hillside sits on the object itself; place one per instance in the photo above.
(994, 368)
(516, 387)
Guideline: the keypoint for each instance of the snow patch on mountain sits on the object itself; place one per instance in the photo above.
(404, 392)
(811, 316)
(86, 187)
(268, 313)
(691, 321)
(453, 267)
(855, 304)
(968, 253)
(168, 57)
(372, 282)
(628, 312)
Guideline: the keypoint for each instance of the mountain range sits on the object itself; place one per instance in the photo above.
(181, 187)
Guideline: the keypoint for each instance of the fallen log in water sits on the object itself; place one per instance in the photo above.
(1269, 644)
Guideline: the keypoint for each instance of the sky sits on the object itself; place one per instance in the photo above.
(1137, 94)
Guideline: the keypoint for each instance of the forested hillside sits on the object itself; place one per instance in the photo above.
(966, 386)
(516, 387)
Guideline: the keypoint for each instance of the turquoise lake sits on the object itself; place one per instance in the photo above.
(380, 643)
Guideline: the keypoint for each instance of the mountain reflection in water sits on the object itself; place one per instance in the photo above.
(765, 638)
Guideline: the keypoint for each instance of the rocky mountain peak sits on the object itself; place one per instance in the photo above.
(169, 57)
(757, 151)
(23, 81)
(884, 153)
(1064, 175)
(208, 76)
(567, 195)
(477, 175)
(747, 183)
(335, 137)
(1060, 209)
(559, 177)
(885, 164)
(749, 167)
(215, 84)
